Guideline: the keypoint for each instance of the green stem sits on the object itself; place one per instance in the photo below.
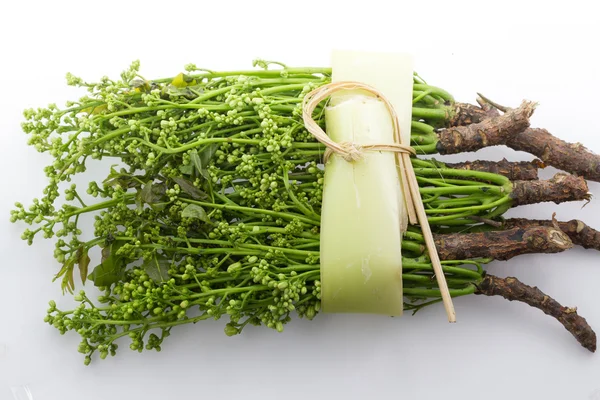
(255, 211)
(283, 250)
(426, 169)
(426, 280)
(100, 206)
(462, 190)
(257, 73)
(434, 90)
(217, 292)
(468, 273)
(435, 114)
(268, 229)
(416, 292)
(412, 246)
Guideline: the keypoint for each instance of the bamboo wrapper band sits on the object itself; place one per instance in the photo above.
(352, 152)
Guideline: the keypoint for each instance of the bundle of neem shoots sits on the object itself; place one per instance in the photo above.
(221, 203)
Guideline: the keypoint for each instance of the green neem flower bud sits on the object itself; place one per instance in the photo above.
(234, 267)
(231, 330)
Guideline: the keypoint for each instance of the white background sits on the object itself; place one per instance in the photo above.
(497, 350)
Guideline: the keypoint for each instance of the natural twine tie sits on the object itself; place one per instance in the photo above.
(352, 152)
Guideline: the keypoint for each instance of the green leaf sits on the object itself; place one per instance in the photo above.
(202, 159)
(110, 271)
(195, 211)
(71, 281)
(139, 204)
(112, 268)
(66, 271)
(106, 252)
(122, 179)
(112, 249)
(140, 84)
(153, 192)
(83, 260)
(198, 163)
(207, 154)
(62, 271)
(182, 80)
(157, 269)
(189, 188)
(186, 169)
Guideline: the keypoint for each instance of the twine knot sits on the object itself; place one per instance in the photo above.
(350, 152)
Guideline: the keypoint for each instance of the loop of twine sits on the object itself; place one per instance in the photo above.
(352, 152)
(349, 151)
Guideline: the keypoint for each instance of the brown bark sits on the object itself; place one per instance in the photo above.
(514, 290)
(515, 171)
(559, 189)
(473, 113)
(501, 245)
(463, 114)
(490, 132)
(570, 157)
(580, 233)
